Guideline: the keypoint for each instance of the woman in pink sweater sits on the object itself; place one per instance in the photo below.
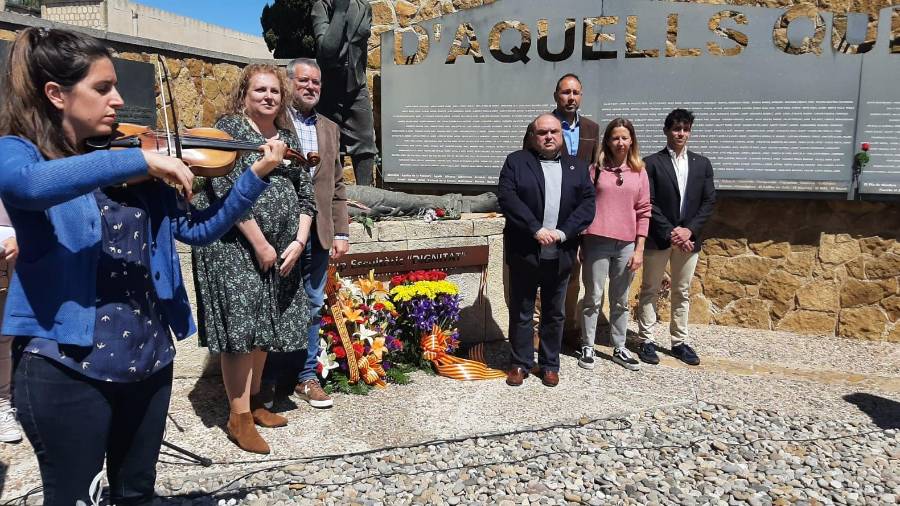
(613, 245)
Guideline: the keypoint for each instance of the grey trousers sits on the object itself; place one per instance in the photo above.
(605, 258)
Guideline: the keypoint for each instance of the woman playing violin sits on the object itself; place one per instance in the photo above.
(250, 295)
(97, 292)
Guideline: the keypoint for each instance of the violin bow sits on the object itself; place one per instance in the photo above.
(176, 136)
(171, 138)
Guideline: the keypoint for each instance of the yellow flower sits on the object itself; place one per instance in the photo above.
(428, 289)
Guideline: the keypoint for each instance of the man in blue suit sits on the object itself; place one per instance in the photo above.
(547, 199)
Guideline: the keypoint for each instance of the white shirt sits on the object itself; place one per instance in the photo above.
(681, 174)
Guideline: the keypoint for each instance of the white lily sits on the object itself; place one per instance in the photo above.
(328, 361)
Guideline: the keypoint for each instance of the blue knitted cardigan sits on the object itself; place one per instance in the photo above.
(52, 292)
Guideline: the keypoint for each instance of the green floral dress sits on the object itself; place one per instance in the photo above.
(241, 308)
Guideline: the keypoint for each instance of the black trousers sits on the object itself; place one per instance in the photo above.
(523, 284)
(74, 422)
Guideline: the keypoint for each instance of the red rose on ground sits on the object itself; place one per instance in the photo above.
(378, 306)
(340, 352)
(866, 146)
(358, 348)
(440, 213)
(327, 320)
(397, 280)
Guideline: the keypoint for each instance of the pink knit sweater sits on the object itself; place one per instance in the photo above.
(623, 212)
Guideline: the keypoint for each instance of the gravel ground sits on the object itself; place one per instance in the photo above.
(699, 454)
(818, 428)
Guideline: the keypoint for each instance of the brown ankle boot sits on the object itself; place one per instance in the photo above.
(241, 430)
(262, 416)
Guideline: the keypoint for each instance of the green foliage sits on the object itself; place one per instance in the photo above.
(287, 28)
(366, 221)
(399, 374)
(341, 383)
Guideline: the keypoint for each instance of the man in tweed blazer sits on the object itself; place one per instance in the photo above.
(330, 234)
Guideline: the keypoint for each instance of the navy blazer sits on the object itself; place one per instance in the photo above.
(520, 193)
(699, 201)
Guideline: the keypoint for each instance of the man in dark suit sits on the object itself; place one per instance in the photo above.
(342, 29)
(547, 199)
(683, 198)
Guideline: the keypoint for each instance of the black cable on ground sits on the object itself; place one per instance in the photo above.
(399, 468)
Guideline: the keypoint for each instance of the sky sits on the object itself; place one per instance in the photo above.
(241, 15)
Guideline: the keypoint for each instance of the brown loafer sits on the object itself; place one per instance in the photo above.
(516, 376)
(550, 378)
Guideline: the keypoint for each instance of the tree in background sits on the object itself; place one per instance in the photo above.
(287, 28)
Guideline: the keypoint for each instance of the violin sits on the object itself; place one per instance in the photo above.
(208, 152)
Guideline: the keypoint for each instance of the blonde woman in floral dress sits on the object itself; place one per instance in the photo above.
(250, 293)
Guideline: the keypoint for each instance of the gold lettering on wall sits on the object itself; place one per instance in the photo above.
(739, 38)
(518, 53)
(568, 46)
(465, 43)
(592, 37)
(422, 47)
(839, 35)
(895, 31)
(810, 44)
(672, 49)
(631, 45)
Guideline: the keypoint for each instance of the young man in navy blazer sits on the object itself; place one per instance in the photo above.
(683, 198)
(547, 199)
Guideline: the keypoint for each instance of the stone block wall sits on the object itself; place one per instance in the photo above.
(809, 266)
(201, 85)
(201, 88)
(86, 13)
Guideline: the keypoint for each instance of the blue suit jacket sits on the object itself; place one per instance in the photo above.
(521, 196)
(51, 205)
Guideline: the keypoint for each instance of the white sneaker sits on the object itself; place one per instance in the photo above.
(9, 427)
(586, 361)
(623, 357)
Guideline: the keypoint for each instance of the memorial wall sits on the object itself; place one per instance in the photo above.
(783, 96)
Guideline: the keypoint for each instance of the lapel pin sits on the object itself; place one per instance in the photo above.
(571, 167)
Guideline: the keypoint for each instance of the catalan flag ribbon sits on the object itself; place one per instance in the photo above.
(434, 349)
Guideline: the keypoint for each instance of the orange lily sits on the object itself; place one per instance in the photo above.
(370, 286)
(353, 315)
(378, 348)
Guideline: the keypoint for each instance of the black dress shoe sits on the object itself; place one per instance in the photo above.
(647, 353)
(686, 354)
(516, 376)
